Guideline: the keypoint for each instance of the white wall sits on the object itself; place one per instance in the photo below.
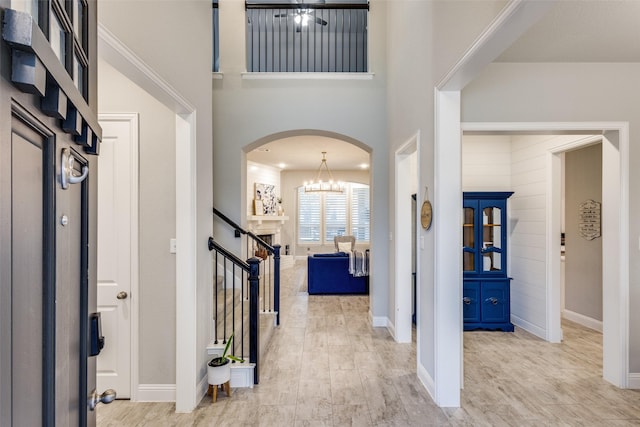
(157, 223)
(569, 93)
(583, 259)
(486, 163)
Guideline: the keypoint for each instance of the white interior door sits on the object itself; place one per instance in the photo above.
(117, 249)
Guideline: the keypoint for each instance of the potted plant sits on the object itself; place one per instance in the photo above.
(219, 368)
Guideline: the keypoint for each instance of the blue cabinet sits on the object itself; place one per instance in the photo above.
(486, 296)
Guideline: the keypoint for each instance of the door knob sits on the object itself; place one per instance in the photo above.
(108, 396)
(122, 295)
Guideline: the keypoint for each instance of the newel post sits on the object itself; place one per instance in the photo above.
(276, 282)
(254, 329)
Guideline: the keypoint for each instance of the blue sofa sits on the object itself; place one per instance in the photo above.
(329, 274)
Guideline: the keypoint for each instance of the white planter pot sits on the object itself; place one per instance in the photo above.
(219, 374)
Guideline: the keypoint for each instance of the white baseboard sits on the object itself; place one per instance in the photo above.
(529, 327)
(427, 381)
(581, 319)
(633, 380)
(156, 393)
(391, 327)
(378, 321)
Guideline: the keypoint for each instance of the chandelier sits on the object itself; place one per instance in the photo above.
(326, 186)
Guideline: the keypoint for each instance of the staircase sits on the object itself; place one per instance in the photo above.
(245, 303)
(238, 307)
(242, 374)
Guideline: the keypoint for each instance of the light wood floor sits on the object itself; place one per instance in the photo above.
(327, 366)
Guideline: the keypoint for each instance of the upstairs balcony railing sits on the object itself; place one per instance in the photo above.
(307, 37)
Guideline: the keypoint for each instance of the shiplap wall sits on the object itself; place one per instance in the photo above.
(528, 241)
(486, 163)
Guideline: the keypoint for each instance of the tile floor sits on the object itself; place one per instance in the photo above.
(327, 366)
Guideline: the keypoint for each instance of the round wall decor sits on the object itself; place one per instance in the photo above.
(426, 214)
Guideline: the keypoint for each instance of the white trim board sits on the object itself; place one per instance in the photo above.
(403, 239)
(583, 320)
(378, 321)
(156, 393)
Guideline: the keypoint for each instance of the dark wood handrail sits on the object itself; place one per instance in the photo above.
(241, 230)
(218, 247)
(229, 221)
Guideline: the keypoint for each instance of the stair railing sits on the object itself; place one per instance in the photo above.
(270, 280)
(226, 320)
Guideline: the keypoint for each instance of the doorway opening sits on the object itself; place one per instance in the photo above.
(547, 324)
(406, 274)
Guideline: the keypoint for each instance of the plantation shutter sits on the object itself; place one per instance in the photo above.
(360, 217)
(308, 216)
(335, 215)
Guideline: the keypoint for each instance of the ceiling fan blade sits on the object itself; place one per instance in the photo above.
(282, 15)
(320, 21)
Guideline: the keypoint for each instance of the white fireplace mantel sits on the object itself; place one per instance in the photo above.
(259, 219)
(266, 224)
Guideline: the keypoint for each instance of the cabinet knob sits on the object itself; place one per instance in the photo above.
(492, 300)
(466, 300)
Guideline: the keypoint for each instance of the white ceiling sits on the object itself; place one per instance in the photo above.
(582, 31)
(573, 31)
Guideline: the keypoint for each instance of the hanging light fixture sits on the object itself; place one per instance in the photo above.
(319, 185)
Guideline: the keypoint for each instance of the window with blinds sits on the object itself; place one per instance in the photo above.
(322, 216)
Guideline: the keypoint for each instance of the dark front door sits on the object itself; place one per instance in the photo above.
(47, 246)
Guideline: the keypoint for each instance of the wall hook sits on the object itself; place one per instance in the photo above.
(66, 170)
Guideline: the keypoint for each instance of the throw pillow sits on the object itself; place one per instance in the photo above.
(344, 246)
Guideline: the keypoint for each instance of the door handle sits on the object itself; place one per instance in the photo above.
(122, 295)
(492, 300)
(66, 170)
(107, 397)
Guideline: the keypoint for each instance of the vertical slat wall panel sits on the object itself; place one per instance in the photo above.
(334, 39)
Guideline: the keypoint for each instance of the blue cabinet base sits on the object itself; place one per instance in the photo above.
(505, 327)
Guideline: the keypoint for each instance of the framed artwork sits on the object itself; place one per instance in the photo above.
(266, 193)
(258, 208)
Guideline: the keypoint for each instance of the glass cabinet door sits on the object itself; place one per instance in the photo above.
(491, 249)
(468, 239)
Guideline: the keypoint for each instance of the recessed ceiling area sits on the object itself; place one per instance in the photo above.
(581, 31)
(305, 153)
